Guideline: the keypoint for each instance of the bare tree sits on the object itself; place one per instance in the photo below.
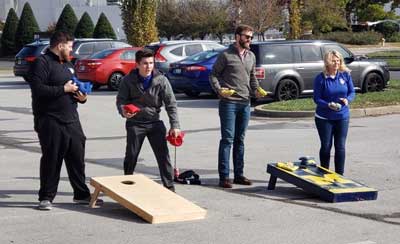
(262, 15)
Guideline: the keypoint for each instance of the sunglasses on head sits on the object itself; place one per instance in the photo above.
(247, 36)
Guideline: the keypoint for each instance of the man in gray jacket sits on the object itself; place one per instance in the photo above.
(148, 90)
(233, 79)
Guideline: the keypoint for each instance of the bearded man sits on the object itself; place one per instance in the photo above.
(233, 79)
(56, 121)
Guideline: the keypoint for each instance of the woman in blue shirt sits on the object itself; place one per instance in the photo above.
(333, 91)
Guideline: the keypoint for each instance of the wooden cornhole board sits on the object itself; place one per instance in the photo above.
(146, 198)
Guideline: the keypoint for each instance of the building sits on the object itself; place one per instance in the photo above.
(47, 12)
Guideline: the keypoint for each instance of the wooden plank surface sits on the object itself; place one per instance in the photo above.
(148, 199)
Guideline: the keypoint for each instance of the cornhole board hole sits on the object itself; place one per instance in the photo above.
(146, 198)
(326, 184)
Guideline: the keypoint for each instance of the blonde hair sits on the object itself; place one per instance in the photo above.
(328, 60)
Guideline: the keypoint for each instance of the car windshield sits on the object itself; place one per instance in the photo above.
(28, 50)
(102, 54)
(198, 57)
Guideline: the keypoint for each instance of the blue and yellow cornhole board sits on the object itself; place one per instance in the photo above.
(317, 180)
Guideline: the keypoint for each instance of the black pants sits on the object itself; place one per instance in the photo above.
(61, 142)
(156, 133)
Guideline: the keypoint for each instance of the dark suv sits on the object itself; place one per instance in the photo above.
(287, 68)
(82, 48)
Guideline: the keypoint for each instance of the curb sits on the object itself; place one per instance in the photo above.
(354, 113)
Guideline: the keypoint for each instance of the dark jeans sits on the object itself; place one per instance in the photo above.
(156, 134)
(335, 130)
(61, 142)
(234, 118)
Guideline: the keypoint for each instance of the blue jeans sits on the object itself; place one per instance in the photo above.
(329, 130)
(234, 118)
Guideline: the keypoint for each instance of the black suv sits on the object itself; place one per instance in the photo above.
(82, 48)
(287, 69)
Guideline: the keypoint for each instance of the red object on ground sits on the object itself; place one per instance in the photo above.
(176, 141)
(130, 108)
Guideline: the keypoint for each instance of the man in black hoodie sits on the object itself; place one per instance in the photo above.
(56, 120)
(148, 90)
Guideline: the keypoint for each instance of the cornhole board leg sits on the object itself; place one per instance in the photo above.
(94, 196)
(272, 182)
(146, 198)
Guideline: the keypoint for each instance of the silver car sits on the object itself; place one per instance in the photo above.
(172, 51)
(287, 69)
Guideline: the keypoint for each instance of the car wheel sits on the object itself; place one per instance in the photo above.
(373, 82)
(114, 81)
(287, 90)
(191, 93)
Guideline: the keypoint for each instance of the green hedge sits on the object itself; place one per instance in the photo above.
(355, 38)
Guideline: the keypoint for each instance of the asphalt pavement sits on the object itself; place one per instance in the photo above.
(244, 214)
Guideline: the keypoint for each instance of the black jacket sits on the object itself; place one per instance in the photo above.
(47, 77)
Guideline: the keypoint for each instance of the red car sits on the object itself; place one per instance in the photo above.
(107, 67)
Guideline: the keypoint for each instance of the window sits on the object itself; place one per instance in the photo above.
(177, 51)
(276, 54)
(102, 54)
(310, 53)
(120, 44)
(128, 55)
(86, 49)
(341, 50)
(100, 46)
(193, 49)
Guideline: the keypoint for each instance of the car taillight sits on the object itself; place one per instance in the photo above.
(158, 57)
(195, 68)
(260, 73)
(30, 58)
(94, 64)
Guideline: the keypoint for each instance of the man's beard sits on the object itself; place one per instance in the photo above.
(244, 44)
(65, 56)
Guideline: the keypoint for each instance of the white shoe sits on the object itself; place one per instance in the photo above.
(45, 205)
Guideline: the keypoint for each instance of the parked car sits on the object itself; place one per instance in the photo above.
(172, 51)
(287, 69)
(190, 75)
(82, 48)
(107, 67)
(27, 55)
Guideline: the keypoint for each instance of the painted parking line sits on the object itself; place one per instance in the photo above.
(363, 242)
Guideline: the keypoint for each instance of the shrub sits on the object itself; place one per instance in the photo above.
(103, 28)
(355, 38)
(8, 36)
(27, 26)
(67, 21)
(85, 27)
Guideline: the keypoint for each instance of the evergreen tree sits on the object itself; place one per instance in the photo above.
(139, 21)
(67, 21)
(8, 36)
(27, 26)
(103, 28)
(85, 27)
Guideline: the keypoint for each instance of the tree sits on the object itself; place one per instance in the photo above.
(67, 21)
(85, 27)
(262, 15)
(315, 11)
(8, 36)
(139, 21)
(220, 23)
(168, 18)
(103, 28)
(294, 20)
(27, 26)
(358, 7)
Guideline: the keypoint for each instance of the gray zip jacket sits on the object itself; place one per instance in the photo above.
(231, 72)
(131, 91)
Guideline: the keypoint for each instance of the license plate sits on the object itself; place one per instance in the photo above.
(82, 68)
(19, 61)
(177, 71)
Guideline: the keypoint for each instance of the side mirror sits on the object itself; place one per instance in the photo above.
(348, 60)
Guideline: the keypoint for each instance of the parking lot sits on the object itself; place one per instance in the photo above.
(241, 215)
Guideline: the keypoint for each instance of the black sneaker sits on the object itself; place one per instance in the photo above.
(45, 205)
(86, 201)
